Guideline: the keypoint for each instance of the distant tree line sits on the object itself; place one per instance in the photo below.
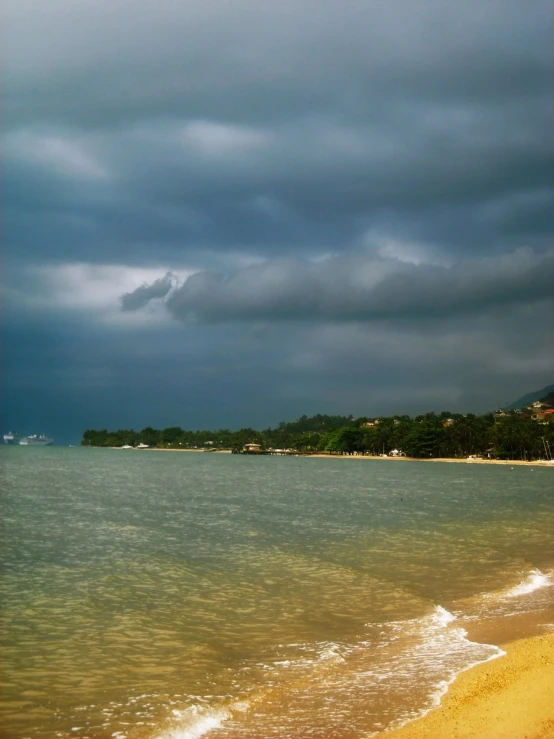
(511, 435)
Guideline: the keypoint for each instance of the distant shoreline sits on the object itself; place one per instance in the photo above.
(502, 462)
(329, 455)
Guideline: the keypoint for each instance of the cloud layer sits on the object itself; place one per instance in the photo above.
(379, 173)
(354, 288)
(277, 128)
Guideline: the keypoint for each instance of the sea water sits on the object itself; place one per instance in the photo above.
(167, 595)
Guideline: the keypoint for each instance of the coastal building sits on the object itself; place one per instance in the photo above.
(544, 416)
(371, 422)
(252, 448)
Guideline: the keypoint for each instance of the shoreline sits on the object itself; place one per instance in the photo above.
(505, 698)
(451, 460)
(329, 455)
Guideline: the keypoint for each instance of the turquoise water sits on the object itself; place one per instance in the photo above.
(175, 595)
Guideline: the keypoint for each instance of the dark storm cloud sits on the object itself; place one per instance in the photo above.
(234, 376)
(215, 59)
(355, 289)
(145, 293)
(362, 188)
(273, 128)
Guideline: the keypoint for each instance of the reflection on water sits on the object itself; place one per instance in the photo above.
(150, 594)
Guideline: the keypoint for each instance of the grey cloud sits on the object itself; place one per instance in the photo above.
(229, 376)
(416, 118)
(358, 288)
(209, 135)
(145, 293)
(267, 58)
(327, 181)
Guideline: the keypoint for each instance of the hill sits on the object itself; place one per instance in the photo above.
(531, 397)
(548, 399)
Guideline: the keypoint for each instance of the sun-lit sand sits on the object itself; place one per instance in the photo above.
(465, 460)
(327, 455)
(511, 697)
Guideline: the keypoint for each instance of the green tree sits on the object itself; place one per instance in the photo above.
(346, 440)
(425, 440)
(516, 437)
(171, 436)
(149, 436)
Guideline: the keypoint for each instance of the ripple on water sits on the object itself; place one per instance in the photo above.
(137, 599)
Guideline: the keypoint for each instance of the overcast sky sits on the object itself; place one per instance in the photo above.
(224, 213)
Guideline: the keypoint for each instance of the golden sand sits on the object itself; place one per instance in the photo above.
(465, 460)
(329, 455)
(511, 697)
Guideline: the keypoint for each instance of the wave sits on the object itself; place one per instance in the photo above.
(532, 593)
(442, 616)
(195, 721)
(534, 581)
(458, 653)
(405, 667)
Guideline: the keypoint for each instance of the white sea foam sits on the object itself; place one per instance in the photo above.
(330, 652)
(534, 581)
(446, 650)
(442, 617)
(425, 654)
(441, 690)
(313, 655)
(532, 593)
(442, 687)
(195, 721)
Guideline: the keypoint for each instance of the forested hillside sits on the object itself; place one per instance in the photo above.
(545, 394)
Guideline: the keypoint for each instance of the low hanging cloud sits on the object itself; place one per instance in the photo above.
(145, 293)
(354, 288)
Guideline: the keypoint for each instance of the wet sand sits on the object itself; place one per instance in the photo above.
(511, 697)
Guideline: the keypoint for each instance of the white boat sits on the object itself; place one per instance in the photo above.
(36, 440)
(11, 438)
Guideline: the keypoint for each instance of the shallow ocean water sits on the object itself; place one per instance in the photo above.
(175, 595)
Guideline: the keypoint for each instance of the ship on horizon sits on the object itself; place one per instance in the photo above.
(11, 438)
(36, 440)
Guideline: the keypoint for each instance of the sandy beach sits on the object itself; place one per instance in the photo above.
(511, 697)
(453, 460)
(328, 455)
